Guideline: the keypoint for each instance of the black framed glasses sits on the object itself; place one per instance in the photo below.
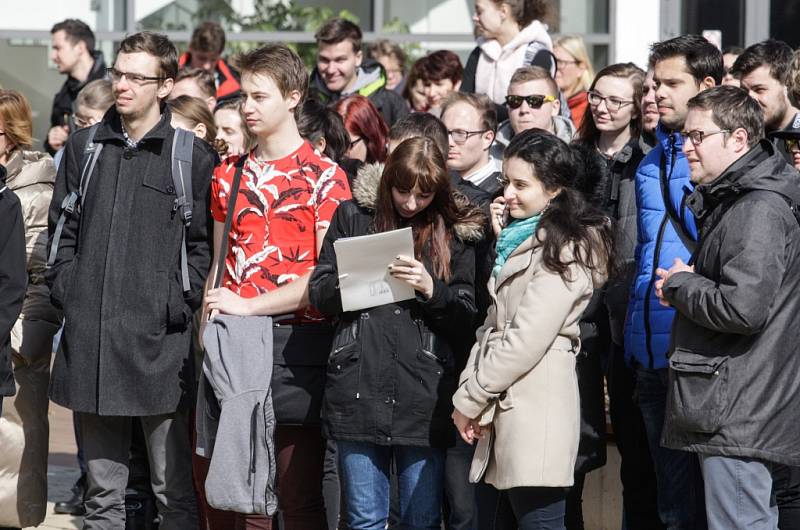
(460, 136)
(697, 136)
(135, 79)
(612, 102)
(354, 143)
(561, 62)
(534, 101)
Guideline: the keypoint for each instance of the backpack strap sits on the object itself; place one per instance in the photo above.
(72, 202)
(182, 146)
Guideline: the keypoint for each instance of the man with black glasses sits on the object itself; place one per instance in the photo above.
(128, 271)
(532, 103)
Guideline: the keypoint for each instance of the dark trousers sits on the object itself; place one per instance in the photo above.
(573, 507)
(538, 508)
(106, 447)
(459, 493)
(300, 453)
(681, 503)
(637, 472)
(786, 485)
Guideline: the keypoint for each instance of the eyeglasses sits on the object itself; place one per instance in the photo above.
(81, 121)
(560, 62)
(534, 101)
(612, 102)
(792, 144)
(697, 137)
(134, 79)
(460, 136)
(354, 143)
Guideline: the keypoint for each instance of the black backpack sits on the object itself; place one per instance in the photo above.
(182, 146)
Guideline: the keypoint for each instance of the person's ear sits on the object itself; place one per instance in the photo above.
(457, 86)
(165, 88)
(321, 144)
(740, 140)
(487, 139)
(293, 99)
(211, 103)
(556, 106)
(200, 130)
(359, 57)
(707, 82)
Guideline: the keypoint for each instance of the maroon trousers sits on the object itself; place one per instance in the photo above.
(300, 453)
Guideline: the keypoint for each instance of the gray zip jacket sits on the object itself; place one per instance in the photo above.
(235, 420)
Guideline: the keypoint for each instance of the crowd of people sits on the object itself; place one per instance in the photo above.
(621, 245)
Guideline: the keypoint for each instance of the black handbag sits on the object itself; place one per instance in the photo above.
(300, 351)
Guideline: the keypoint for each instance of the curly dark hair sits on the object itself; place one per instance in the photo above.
(570, 221)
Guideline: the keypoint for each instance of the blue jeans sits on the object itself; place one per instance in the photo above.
(678, 477)
(739, 493)
(364, 470)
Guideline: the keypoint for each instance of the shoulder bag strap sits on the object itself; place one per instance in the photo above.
(223, 245)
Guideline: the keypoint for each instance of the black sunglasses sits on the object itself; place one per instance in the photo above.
(534, 101)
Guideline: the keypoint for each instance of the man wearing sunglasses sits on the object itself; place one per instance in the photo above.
(733, 385)
(532, 102)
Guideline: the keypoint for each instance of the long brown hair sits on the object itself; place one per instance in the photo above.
(419, 162)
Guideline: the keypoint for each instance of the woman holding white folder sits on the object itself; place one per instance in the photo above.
(391, 371)
(518, 395)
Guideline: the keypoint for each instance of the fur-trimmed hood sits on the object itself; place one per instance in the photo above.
(365, 194)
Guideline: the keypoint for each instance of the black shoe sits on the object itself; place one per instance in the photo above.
(74, 505)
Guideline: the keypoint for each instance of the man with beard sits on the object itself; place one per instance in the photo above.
(763, 70)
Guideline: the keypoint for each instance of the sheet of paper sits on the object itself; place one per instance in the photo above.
(363, 261)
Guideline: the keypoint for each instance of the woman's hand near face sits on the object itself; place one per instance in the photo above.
(499, 214)
(413, 273)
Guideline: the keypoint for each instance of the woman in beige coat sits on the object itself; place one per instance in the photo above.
(518, 395)
(24, 429)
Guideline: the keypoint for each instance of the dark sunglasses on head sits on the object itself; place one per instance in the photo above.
(534, 101)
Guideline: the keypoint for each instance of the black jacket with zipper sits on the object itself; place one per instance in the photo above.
(733, 384)
(392, 370)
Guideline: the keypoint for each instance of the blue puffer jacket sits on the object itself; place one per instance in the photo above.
(648, 323)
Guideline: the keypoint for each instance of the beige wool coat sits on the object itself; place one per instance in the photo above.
(520, 378)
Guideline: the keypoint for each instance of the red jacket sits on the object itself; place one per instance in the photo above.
(227, 79)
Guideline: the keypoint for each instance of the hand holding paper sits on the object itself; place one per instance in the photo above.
(413, 273)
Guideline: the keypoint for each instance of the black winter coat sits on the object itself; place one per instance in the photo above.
(13, 278)
(391, 372)
(733, 378)
(65, 98)
(125, 348)
(609, 185)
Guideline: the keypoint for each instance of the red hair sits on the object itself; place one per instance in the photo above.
(361, 118)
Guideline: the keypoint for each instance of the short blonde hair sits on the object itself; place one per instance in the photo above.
(574, 45)
(17, 118)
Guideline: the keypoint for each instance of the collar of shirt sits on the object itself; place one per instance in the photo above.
(477, 177)
(129, 142)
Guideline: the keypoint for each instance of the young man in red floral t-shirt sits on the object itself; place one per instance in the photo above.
(287, 195)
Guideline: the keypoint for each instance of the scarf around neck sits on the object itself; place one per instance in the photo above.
(511, 237)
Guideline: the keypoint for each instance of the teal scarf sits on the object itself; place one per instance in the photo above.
(511, 237)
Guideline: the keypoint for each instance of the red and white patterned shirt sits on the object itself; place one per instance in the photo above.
(280, 206)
